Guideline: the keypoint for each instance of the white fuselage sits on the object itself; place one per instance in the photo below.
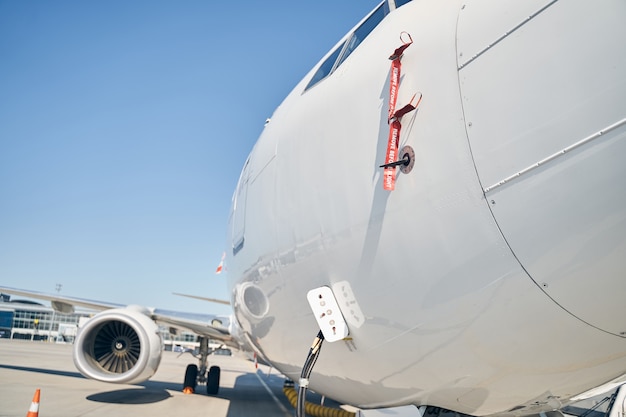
(491, 280)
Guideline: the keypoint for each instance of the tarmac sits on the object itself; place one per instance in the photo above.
(26, 366)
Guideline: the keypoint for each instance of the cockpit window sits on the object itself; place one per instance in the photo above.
(326, 68)
(353, 41)
(401, 2)
(342, 52)
(362, 31)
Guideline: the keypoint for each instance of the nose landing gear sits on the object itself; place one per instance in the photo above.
(198, 374)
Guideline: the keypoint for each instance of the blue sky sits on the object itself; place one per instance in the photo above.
(123, 128)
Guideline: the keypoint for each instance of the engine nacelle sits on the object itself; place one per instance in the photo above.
(120, 346)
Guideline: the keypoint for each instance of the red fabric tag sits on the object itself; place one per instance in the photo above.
(389, 174)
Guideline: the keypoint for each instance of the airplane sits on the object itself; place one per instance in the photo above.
(439, 201)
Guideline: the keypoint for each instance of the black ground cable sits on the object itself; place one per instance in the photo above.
(303, 384)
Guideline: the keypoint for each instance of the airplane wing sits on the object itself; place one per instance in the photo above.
(198, 297)
(122, 344)
(214, 327)
(208, 325)
(59, 303)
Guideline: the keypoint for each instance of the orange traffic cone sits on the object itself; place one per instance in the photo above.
(33, 411)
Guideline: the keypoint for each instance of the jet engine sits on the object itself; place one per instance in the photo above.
(119, 346)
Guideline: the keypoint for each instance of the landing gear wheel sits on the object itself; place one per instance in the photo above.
(191, 377)
(213, 381)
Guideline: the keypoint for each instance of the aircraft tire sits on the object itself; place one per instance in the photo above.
(213, 381)
(191, 377)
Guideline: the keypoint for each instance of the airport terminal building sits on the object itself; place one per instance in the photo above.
(23, 319)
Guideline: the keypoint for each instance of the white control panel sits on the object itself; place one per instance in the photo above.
(327, 313)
